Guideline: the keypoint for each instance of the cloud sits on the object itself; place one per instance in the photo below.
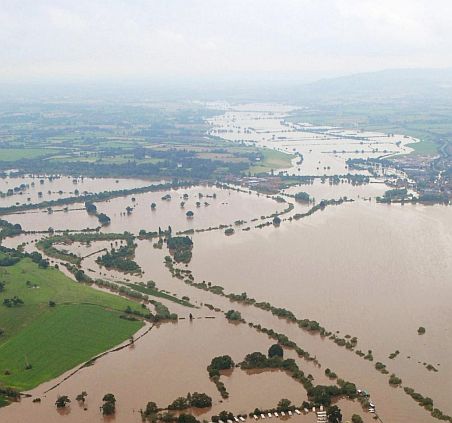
(155, 38)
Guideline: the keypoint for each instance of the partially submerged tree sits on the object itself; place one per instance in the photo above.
(62, 401)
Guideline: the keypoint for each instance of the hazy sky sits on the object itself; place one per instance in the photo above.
(166, 38)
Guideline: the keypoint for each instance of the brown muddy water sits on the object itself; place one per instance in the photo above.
(228, 206)
(168, 362)
(373, 271)
(60, 187)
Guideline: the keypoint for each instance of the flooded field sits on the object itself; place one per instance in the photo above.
(324, 150)
(215, 207)
(394, 285)
(173, 356)
(372, 271)
(34, 189)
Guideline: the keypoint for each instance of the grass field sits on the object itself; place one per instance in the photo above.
(272, 160)
(84, 322)
(424, 147)
(12, 154)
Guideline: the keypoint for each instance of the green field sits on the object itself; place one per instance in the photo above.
(272, 160)
(84, 322)
(424, 147)
(12, 154)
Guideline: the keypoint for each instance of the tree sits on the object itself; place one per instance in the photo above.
(226, 415)
(356, 418)
(180, 403)
(275, 351)
(90, 208)
(302, 197)
(109, 398)
(222, 362)
(200, 400)
(276, 221)
(255, 360)
(284, 404)
(103, 219)
(62, 401)
(189, 214)
(109, 405)
(108, 408)
(233, 315)
(81, 397)
(79, 275)
(421, 330)
(151, 408)
(394, 380)
(334, 414)
(187, 418)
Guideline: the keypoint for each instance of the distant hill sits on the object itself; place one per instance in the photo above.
(390, 84)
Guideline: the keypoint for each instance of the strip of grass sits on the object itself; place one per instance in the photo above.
(272, 160)
(156, 293)
(84, 323)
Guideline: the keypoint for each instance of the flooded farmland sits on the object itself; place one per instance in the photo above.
(211, 207)
(361, 269)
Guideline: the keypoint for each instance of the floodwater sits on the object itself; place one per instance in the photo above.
(373, 271)
(60, 187)
(326, 191)
(168, 362)
(325, 150)
(396, 286)
(228, 206)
